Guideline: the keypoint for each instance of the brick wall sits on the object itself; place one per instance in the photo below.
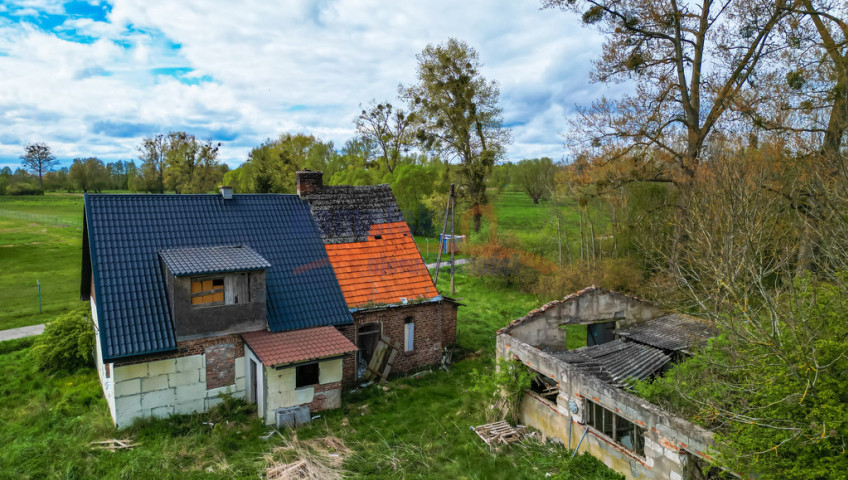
(220, 365)
(326, 396)
(435, 327)
(188, 348)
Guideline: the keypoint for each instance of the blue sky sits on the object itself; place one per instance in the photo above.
(92, 78)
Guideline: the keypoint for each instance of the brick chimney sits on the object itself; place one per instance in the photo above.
(309, 182)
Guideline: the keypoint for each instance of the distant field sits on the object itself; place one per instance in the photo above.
(40, 241)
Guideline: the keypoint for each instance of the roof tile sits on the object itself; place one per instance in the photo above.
(298, 345)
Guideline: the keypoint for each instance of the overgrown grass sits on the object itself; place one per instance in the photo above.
(412, 428)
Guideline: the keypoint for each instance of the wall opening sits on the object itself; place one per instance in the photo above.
(546, 387)
(600, 333)
(619, 429)
(367, 337)
(306, 375)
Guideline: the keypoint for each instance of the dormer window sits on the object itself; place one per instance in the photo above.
(206, 292)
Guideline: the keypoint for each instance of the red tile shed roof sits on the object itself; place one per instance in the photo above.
(383, 269)
(298, 345)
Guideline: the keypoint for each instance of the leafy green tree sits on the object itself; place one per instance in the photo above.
(150, 176)
(89, 174)
(459, 115)
(191, 165)
(271, 166)
(38, 159)
(535, 176)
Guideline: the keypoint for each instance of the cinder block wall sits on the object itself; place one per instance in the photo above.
(281, 391)
(185, 381)
(668, 439)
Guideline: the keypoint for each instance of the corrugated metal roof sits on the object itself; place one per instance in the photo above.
(126, 232)
(198, 260)
(345, 213)
(298, 346)
(616, 361)
(674, 332)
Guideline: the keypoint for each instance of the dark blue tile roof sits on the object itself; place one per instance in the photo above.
(196, 260)
(125, 234)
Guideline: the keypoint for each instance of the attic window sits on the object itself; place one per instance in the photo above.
(207, 291)
(378, 237)
(230, 289)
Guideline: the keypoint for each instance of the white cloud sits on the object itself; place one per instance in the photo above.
(266, 67)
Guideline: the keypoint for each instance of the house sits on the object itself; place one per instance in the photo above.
(197, 295)
(580, 395)
(383, 279)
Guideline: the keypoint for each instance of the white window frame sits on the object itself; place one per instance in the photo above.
(409, 335)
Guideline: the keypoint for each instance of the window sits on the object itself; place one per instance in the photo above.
(306, 375)
(207, 291)
(408, 335)
(230, 289)
(619, 429)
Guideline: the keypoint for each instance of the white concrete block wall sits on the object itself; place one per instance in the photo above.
(166, 387)
(106, 382)
(280, 388)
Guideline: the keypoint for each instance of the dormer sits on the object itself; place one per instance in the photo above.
(215, 290)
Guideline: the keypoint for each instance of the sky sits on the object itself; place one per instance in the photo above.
(93, 78)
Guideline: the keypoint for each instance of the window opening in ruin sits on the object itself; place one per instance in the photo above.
(600, 333)
(306, 375)
(545, 386)
(408, 334)
(696, 468)
(575, 336)
(367, 336)
(619, 429)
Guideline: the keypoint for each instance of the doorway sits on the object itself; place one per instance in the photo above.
(367, 336)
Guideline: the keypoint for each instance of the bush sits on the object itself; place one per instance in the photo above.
(618, 274)
(505, 383)
(23, 188)
(66, 344)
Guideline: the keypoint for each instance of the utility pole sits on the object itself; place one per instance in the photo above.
(452, 203)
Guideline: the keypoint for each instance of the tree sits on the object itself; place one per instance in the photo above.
(688, 68)
(151, 172)
(191, 166)
(459, 115)
(38, 159)
(271, 166)
(391, 129)
(535, 176)
(89, 174)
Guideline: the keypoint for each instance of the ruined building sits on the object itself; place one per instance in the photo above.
(582, 393)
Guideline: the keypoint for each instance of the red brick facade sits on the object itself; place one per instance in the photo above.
(435, 328)
(188, 348)
(220, 365)
(322, 393)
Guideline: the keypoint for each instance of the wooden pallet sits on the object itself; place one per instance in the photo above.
(373, 370)
(500, 433)
(114, 444)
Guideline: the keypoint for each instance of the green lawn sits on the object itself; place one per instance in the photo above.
(40, 241)
(413, 428)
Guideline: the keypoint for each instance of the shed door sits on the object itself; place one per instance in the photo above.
(600, 333)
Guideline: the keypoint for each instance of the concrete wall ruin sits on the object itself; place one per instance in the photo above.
(669, 441)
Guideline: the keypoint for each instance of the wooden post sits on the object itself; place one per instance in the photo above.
(452, 203)
(442, 238)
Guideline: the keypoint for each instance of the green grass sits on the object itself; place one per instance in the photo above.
(34, 251)
(413, 428)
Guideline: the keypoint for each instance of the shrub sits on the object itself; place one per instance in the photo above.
(506, 382)
(66, 344)
(23, 188)
(619, 274)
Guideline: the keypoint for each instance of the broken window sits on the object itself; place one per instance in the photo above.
(306, 375)
(207, 291)
(545, 386)
(619, 429)
(231, 289)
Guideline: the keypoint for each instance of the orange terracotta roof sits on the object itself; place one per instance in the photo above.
(294, 346)
(382, 270)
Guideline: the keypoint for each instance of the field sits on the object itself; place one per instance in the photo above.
(40, 242)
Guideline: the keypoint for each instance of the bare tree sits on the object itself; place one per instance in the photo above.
(38, 159)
